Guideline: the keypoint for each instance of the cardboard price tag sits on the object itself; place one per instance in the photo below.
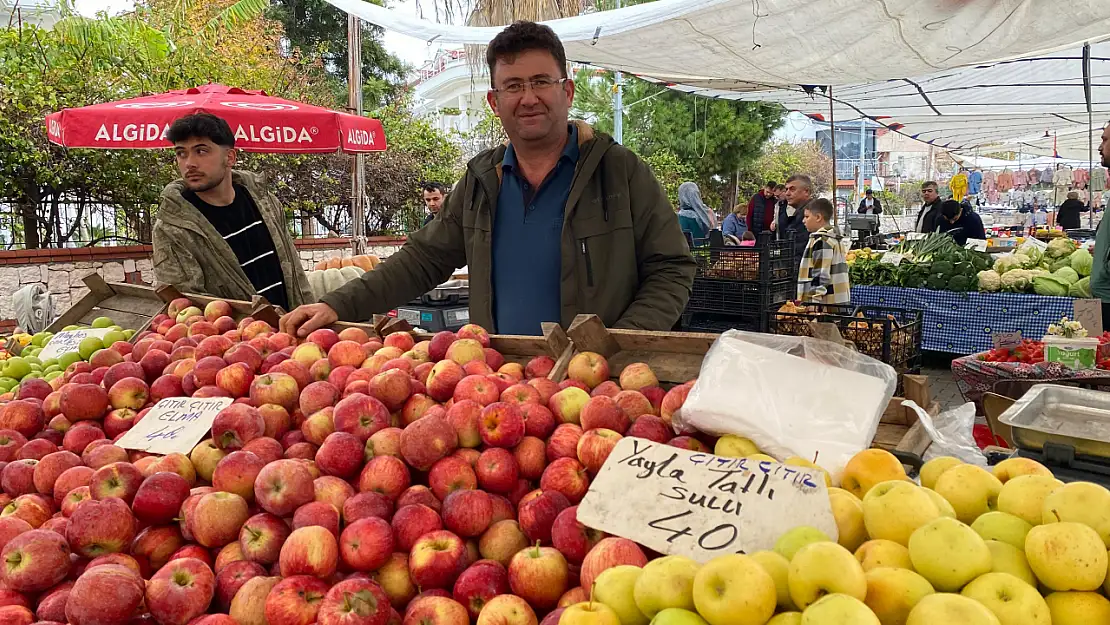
(700, 505)
(915, 236)
(979, 245)
(1035, 242)
(174, 424)
(65, 342)
(1006, 340)
(892, 258)
(1088, 312)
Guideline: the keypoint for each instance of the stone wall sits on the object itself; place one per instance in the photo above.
(62, 270)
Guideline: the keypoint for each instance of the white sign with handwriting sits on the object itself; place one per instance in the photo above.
(68, 341)
(979, 245)
(174, 424)
(700, 505)
(891, 258)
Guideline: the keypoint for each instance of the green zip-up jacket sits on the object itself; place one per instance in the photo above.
(1100, 268)
(191, 255)
(624, 257)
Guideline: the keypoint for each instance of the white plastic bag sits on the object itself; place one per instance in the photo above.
(791, 395)
(951, 432)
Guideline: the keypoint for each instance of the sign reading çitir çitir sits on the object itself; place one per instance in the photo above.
(174, 424)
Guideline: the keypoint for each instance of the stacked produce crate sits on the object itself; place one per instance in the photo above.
(735, 286)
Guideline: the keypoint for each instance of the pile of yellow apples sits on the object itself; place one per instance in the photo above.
(1010, 545)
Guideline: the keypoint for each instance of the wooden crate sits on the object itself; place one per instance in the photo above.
(129, 305)
(258, 307)
(675, 357)
(899, 428)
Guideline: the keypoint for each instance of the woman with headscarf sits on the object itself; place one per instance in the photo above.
(693, 215)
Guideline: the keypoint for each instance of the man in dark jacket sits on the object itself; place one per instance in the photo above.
(434, 194)
(960, 222)
(761, 208)
(789, 222)
(927, 219)
(870, 205)
(562, 221)
(1067, 216)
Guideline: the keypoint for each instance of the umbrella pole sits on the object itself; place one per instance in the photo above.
(1090, 132)
(832, 149)
(354, 103)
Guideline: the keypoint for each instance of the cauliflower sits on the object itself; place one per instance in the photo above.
(1032, 255)
(989, 281)
(1059, 248)
(1007, 262)
(1016, 280)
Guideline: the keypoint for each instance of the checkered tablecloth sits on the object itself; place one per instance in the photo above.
(962, 323)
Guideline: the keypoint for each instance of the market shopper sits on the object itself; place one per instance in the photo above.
(1067, 215)
(930, 208)
(220, 231)
(761, 208)
(870, 205)
(734, 225)
(1100, 268)
(581, 224)
(434, 193)
(960, 222)
(694, 216)
(823, 274)
(788, 223)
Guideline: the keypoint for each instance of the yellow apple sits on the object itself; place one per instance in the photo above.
(932, 469)
(1023, 496)
(1066, 556)
(778, 568)
(823, 568)
(615, 587)
(1013, 601)
(761, 457)
(847, 509)
(1002, 526)
(786, 618)
(667, 582)
(733, 446)
(798, 461)
(734, 590)
(892, 593)
(949, 609)
(942, 504)
(839, 609)
(948, 553)
(589, 613)
(1010, 468)
(1078, 608)
(1080, 502)
(868, 468)
(878, 553)
(971, 490)
(893, 510)
(797, 537)
(1006, 558)
(678, 616)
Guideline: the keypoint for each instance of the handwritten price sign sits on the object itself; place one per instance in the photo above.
(68, 341)
(174, 424)
(700, 505)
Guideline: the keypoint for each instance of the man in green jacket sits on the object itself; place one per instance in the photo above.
(220, 231)
(1100, 268)
(561, 221)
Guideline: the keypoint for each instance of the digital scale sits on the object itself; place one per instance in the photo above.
(446, 307)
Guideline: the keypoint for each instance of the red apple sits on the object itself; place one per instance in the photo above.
(673, 400)
(318, 513)
(539, 367)
(366, 544)
(237, 425)
(607, 553)
(100, 527)
(159, 498)
(386, 475)
(275, 388)
(539, 576)
(501, 425)
(567, 476)
(119, 479)
(217, 518)
(87, 604)
(437, 558)
(564, 442)
(412, 522)
(480, 583)
(355, 602)
(573, 539)
(360, 415)
(236, 473)
(595, 446)
(467, 512)
(450, 474)
(589, 368)
(35, 560)
(537, 514)
(310, 550)
(261, 538)
(426, 441)
(370, 504)
(530, 458)
(477, 388)
(603, 412)
(283, 486)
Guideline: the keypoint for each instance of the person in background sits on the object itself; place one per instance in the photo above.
(780, 200)
(789, 223)
(434, 194)
(558, 221)
(1067, 216)
(1100, 267)
(870, 205)
(220, 231)
(960, 223)
(734, 225)
(693, 215)
(761, 208)
(929, 215)
(823, 274)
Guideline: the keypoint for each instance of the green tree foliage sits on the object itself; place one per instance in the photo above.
(671, 172)
(780, 160)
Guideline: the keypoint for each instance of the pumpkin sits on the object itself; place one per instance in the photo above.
(324, 281)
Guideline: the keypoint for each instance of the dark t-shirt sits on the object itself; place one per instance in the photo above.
(241, 226)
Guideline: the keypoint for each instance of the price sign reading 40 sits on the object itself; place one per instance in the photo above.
(700, 505)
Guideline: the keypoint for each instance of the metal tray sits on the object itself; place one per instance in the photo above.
(1065, 415)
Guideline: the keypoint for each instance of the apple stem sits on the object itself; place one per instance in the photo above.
(593, 587)
(1056, 514)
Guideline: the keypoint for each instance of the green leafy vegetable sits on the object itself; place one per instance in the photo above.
(1082, 288)
(1081, 261)
(1050, 285)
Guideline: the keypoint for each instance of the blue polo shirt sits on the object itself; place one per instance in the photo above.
(527, 243)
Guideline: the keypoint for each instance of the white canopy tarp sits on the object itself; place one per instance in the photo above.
(776, 43)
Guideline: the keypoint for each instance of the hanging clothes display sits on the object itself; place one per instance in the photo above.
(1005, 180)
(990, 181)
(1098, 179)
(1021, 178)
(958, 186)
(1047, 175)
(974, 182)
(1079, 178)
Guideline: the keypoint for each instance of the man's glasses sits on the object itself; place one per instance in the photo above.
(537, 84)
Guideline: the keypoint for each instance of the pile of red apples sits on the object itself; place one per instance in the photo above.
(353, 481)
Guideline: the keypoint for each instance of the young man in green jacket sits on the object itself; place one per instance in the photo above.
(1100, 268)
(561, 221)
(220, 231)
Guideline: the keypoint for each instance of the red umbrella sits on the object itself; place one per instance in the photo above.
(261, 123)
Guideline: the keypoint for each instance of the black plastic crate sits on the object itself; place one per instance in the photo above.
(768, 261)
(891, 335)
(735, 297)
(718, 323)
